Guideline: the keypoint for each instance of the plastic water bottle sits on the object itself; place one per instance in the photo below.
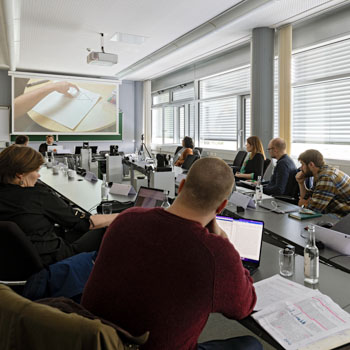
(165, 203)
(104, 189)
(311, 258)
(258, 190)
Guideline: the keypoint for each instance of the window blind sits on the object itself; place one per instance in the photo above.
(230, 83)
(183, 94)
(322, 62)
(218, 119)
(157, 129)
(321, 112)
(160, 98)
(181, 111)
(169, 125)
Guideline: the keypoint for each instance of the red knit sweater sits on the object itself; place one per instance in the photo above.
(156, 271)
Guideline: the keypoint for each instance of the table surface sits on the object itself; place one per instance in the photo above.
(83, 193)
(286, 230)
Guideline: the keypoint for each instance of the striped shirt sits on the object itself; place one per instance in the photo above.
(331, 192)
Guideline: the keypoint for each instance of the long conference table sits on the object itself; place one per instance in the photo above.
(333, 282)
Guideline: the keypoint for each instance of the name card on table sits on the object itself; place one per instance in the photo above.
(122, 189)
(242, 200)
(90, 176)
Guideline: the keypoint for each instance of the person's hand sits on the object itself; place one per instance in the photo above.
(213, 227)
(303, 202)
(63, 88)
(238, 174)
(300, 177)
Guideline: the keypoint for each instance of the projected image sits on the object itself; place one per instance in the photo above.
(64, 106)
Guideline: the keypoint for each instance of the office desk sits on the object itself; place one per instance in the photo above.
(332, 282)
(81, 192)
(285, 230)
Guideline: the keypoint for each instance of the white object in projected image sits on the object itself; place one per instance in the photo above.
(68, 111)
(246, 237)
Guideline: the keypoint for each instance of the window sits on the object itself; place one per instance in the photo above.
(181, 118)
(321, 100)
(160, 98)
(218, 123)
(157, 126)
(183, 93)
(168, 125)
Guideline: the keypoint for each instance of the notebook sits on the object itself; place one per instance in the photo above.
(278, 206)
(246, 236)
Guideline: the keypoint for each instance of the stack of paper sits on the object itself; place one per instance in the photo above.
(299, 317)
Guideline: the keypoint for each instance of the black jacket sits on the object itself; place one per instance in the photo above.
(255, 165)
(36, 210)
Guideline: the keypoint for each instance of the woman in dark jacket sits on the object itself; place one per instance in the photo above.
(56, 230)
(254, 164)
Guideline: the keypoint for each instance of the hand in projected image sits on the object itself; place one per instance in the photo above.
(26, 101)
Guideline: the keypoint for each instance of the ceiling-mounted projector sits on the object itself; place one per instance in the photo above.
(101, 58)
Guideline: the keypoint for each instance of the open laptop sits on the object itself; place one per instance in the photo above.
(338, 241)
(149, 197)
(343, 225)
(55, 149)
(246, 236)
(278, 206)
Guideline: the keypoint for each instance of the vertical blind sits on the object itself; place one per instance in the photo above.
(321, 95)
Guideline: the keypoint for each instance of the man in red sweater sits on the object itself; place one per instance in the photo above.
(165, 271)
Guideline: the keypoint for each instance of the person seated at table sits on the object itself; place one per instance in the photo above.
(331, 187)
(174, 267)
(187, 148)
(254, 164)
(22, 140)
(284, 167)
(49, 142)
(38, 211)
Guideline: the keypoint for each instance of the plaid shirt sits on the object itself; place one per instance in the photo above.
(331, 192)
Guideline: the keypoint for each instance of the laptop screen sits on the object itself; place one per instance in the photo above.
(149, 197)
(245, 235)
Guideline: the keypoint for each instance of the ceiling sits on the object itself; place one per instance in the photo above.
(53, 35)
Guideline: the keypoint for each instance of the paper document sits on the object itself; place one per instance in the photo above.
(304, 320)
(68, 111)
(277, 288)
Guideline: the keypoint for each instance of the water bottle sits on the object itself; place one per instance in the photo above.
(311, 258)
(104, 189)
(258, 190)
(46, 158)
(165, 203)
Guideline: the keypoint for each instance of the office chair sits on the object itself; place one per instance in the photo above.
(190, 159)
(198, 150)
(238, 161)
(177, 149)
(18, 257)
(267, 162)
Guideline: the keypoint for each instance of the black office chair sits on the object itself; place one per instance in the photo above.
(238, 161)
(177, 149)
(18, 257)
(190, 159)
(198, 151)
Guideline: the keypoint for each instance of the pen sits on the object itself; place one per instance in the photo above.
(37, 83)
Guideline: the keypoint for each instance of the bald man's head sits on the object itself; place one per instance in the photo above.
(208, 184)
(277, 148)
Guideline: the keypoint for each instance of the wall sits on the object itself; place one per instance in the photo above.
(130, 103)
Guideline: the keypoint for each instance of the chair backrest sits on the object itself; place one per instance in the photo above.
(267, 162)
(239, 159)
(190, 159)
(199, 149)
(18, 257)
(177, 149)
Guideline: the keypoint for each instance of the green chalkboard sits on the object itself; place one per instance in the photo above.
(87, 137)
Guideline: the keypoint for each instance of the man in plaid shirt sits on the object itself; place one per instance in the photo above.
(331, 190)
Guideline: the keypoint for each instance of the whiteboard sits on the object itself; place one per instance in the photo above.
(4, 123)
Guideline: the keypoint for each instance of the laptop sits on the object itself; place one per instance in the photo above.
(246, 236)
(278, 206)
(338, 241)
(146, 198)
(343, 225)
(149, 197)
(55, 149)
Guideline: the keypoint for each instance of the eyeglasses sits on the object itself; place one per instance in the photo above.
(269, 149)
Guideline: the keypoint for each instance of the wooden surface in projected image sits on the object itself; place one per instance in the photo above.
(102, 115)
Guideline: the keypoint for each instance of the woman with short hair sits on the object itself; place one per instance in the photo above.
(56, 230)
(253, 166)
